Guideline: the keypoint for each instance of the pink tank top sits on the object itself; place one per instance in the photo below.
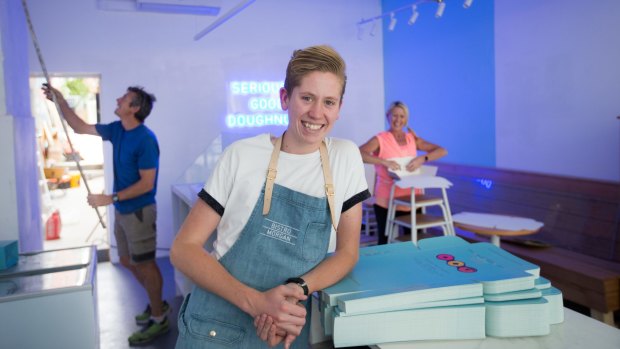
(389, 148)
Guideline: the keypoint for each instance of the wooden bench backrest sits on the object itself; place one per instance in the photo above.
(581, 215)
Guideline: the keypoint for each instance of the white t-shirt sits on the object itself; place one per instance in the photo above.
(240, 173)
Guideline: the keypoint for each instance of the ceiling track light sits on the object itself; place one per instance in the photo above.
(392, 22)
(413, 7)
(441, 6)
(414, 15)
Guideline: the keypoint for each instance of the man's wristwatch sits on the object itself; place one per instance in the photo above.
(114, 197)
(299, 281)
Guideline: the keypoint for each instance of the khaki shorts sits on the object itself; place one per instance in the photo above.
(136, 234)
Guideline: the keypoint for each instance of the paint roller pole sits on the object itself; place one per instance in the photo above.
(228, 15)
(62, 121)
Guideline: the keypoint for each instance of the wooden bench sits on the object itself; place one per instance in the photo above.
(581, 220)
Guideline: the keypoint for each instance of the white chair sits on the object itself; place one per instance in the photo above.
(422, 200)
(425, 180)
(368, 212)
(368, 217)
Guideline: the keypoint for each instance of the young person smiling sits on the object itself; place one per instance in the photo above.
(279, 205)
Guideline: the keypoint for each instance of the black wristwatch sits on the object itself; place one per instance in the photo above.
(299, 281)
(114, 197)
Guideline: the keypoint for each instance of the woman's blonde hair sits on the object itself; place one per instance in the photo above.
(321, 58)
(397, 104)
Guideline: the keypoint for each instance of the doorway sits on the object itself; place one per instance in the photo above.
(67, 220)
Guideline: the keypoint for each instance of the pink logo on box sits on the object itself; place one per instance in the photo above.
(459, 265)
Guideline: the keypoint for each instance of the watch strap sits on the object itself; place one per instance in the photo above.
(299, 281)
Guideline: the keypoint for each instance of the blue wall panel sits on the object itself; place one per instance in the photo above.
(444, 70)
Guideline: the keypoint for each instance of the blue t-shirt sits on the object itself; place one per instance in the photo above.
(133, 150)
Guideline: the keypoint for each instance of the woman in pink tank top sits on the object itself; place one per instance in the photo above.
(397, 142)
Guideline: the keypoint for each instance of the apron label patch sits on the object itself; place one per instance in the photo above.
(280, 232)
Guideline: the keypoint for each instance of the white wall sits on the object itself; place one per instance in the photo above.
(19, 191)
(190, 77)
(558, 87)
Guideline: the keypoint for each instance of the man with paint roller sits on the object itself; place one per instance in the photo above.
(136, 165)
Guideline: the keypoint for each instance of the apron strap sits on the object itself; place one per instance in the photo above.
(329, 184)
(271, 175)
(272, 172)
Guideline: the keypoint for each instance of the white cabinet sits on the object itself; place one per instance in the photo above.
(183, 198)
(49, 300)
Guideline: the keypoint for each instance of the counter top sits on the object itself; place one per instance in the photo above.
(187, 192)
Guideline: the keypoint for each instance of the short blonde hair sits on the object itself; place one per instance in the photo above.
(397, 104)
(321, 58)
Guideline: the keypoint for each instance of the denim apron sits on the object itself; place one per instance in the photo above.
(286, 236)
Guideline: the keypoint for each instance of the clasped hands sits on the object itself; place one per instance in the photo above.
(282, 316)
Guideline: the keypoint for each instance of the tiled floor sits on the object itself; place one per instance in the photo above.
(120, 298)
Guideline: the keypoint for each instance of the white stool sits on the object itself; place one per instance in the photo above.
(368, 217)
(419, 221)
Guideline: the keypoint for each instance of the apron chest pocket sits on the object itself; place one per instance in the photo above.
(215, 331)
(315, 242)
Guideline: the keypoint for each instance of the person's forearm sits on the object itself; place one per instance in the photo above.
(144, 185)
(206, 272)
(436, 154)
(331, 270)
(74, 121)
(371, 159)
(189, 256)
(140, 187)
(339, 264)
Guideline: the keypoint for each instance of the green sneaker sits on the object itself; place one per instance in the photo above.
(149, 333)
(144, 317)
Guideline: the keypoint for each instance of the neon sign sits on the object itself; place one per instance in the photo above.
(487, 183)
(255, 120)
(255, 104)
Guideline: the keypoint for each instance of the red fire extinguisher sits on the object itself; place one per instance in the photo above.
(52, 226)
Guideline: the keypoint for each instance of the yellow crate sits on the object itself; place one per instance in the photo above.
(75, 180)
